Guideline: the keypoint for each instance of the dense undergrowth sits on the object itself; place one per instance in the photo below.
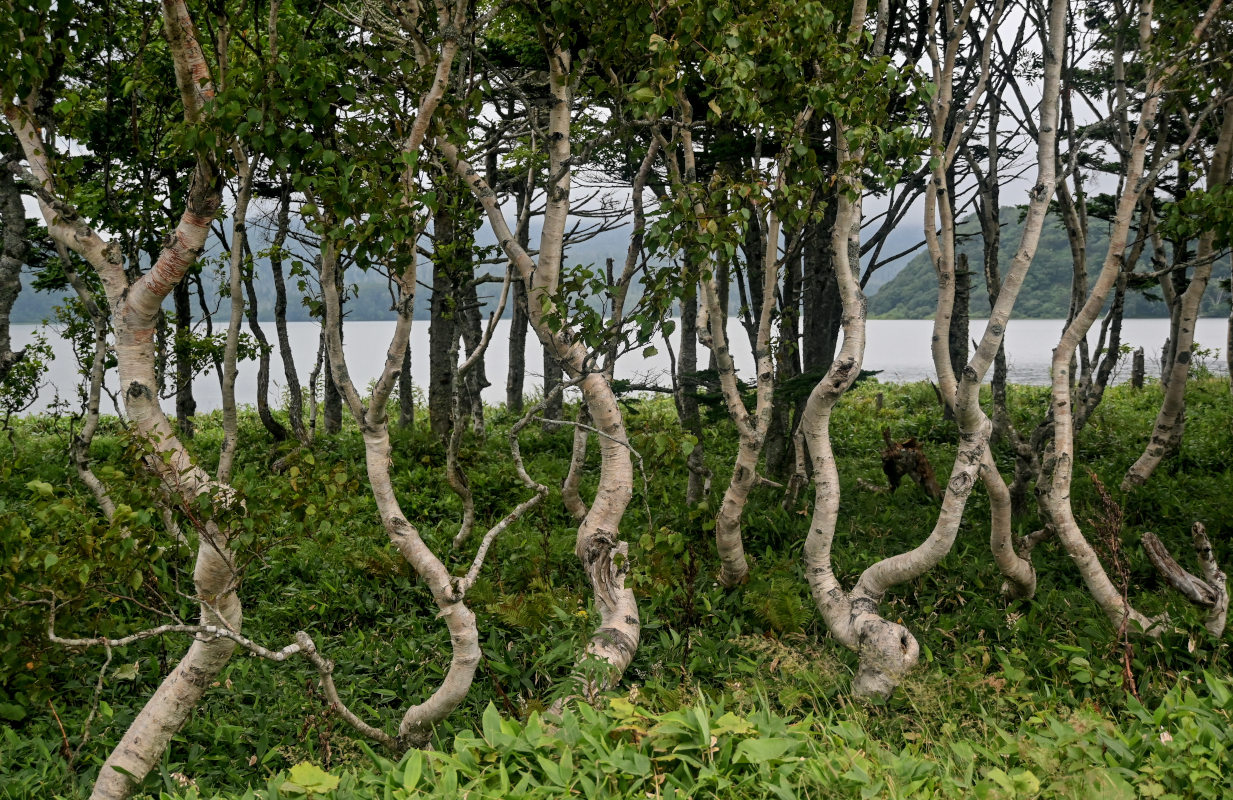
(731, 694)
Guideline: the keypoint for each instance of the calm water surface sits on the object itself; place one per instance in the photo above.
(900, 348)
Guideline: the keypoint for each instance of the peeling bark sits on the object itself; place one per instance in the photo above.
(887, 650)
(135, 313)
(599, 547)
(1210, 592)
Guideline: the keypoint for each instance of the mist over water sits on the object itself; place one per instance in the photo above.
(898, 348)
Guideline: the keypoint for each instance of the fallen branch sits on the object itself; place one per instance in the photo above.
(1210, 592)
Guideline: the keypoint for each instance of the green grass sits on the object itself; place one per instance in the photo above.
(731, 694)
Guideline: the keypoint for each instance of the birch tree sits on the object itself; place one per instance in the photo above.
(135, 306)
(604, 556)
(1053, 487)
(887, 650)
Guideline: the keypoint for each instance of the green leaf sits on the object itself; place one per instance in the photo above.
(413, 769)
(310, 778)
(128, 672)
(492, 724)
(756, 751)
(11, 712)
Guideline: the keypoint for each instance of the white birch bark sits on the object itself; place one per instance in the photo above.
(417, 721)
(239, 219)
(751, 428)
(1167, 427)
(1053, 486)
(598, 545)
(887, 650)
(134, 308)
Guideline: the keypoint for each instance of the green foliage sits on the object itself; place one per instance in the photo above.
(20, 387)
(622, 749)
(1019, 699)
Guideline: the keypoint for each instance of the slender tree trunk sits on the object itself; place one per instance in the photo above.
(272, 425)
(517, 350)
(406, 392)
(331, 394)
(598, 545)
(79, 449)
(239, 221)
(135, 310)
(699, 482)
(723, 285)
(12, 257)
(471, 327)
(552, 379)
(444, 322)
(1167, 429)
(959, 336)
(1054, 486)
(780, 449)
(418, 720)
(519, 318)
(186, 406)
(295, 397)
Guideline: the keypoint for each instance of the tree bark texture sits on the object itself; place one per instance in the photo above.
(598, 545)
(1166, 430)
(12, 257)
(135, 310)
(1053, 487)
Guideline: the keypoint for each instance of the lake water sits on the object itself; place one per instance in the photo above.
(900, 348)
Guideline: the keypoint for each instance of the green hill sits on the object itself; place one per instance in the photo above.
(912, 294)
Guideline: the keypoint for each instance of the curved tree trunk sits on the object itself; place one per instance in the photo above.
(135, 309)
(418, 720)
(272, 425)
(1167, 428)
(598, 545)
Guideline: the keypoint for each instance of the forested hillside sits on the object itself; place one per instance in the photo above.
(913, 293)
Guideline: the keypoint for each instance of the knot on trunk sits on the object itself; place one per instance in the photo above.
(606, 560)
(887, 651)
